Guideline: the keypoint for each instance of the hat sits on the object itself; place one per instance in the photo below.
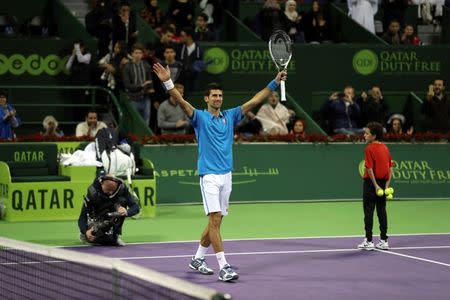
(49, 119)
(397, 116)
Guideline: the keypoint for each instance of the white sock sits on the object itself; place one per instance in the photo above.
(201, 251)
(221, 259)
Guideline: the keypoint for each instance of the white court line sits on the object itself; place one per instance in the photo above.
(277, 252)
(415, 258)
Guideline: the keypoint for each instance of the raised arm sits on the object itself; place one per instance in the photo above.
(164, 76)
(264, 93)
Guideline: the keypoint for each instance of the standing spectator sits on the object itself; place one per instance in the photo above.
(171, 117)
(51, 129)
(409, 37)
(113, 64)
(342, 113)
(274, 116)
(124, 26)
(373, 106)
(137, 79)
(191, 56)
(214, 10)
(436, 108)
(202, 31)
(321, 31)
(8, 118)
(392, 36)
(270, 18)
(393, 9)
(309, 21)
(98, 24)
(153, 15)
(167, 38)
(377, 175)
(181, 12)
(363, 12)
(176, 67)
(293, 22)
(90, 126)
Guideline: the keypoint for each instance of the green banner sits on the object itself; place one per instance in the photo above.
(290, 172)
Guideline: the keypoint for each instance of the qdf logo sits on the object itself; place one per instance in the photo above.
(362, 168)
(35, 65)
(217, 59)
(365, 62)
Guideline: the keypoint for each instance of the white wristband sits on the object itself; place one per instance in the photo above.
(169, 84)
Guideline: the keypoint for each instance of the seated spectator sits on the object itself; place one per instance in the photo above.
(113, 64)
(299, 130)
(293, 22)
(214, 10)
(8, 118)
(51, 129)
(171, 117)
(90, 126)
(249, 125)
(393, 9)
(153, 15)
(363, 12)
(409, 37)
(342, 113)
(190, 54)
(373, 106)
(309, 21)
(436, 108)
(274, 116)
(321, 30)
(202, 31)
(392, 36)
(181, 12)
(395, 125)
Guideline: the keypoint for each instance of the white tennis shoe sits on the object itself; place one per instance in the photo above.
(382, 245)
(366, 245)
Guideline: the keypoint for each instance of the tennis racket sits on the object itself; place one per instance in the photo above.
(280, 48)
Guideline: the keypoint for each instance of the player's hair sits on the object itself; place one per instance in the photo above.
(212, 86)
(376, 129)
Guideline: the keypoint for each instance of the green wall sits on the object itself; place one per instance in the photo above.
(288, 172)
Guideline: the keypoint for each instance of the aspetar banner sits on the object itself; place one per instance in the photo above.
(292, 172)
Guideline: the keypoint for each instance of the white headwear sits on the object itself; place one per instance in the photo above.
(291, 15)
(49, 119)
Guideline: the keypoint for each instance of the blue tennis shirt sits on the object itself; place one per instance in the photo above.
(215, 139)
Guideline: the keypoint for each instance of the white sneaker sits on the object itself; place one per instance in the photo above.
(382, 245)
(365, 245)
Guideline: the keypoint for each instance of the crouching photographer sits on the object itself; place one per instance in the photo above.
(107, 203)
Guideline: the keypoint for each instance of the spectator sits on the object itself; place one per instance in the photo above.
(202, 31)
(270, 18)
(8, 118)
(363, 12)
(342, 113)
(309, 21)
(79, 67)
(249, 125)
(113, 64)
(181, 12)
(90, 126)
(393, 9)
(293, 22)
(124, 26)
(436, 108)
(299, 130)
(171, 117)
(409, 37)
(373, 106)
(153, 15)
(176, 67)
(167, 38)
(214, 10)
(137, 79)
(51, 129)
(98, 24)
(274, 116)
(191, 56)
(392, 36)
(320, 29)
(396, 123)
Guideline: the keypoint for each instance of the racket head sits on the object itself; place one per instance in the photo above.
(280, 49)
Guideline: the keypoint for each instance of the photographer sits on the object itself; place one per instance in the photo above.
(107, 203)
(8, 118)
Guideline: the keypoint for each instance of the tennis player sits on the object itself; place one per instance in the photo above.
(378, 173)
(214, 130)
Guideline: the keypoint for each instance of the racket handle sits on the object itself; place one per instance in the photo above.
(283, 90)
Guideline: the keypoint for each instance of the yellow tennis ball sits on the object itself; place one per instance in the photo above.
(389, 197)
(389, 191)
(380, 192)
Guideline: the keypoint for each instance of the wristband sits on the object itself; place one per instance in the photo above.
(273, 85)
(169, 84)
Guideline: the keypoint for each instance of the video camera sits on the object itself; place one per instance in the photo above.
(100, 227)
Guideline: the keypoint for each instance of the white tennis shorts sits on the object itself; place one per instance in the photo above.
(216, 190)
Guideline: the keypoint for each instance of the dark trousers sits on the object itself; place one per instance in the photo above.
(370, 201)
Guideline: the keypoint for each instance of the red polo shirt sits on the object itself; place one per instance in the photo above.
(378, 158)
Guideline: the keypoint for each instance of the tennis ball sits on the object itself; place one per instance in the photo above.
(380, 192)
(389, 197)
(389, 191)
